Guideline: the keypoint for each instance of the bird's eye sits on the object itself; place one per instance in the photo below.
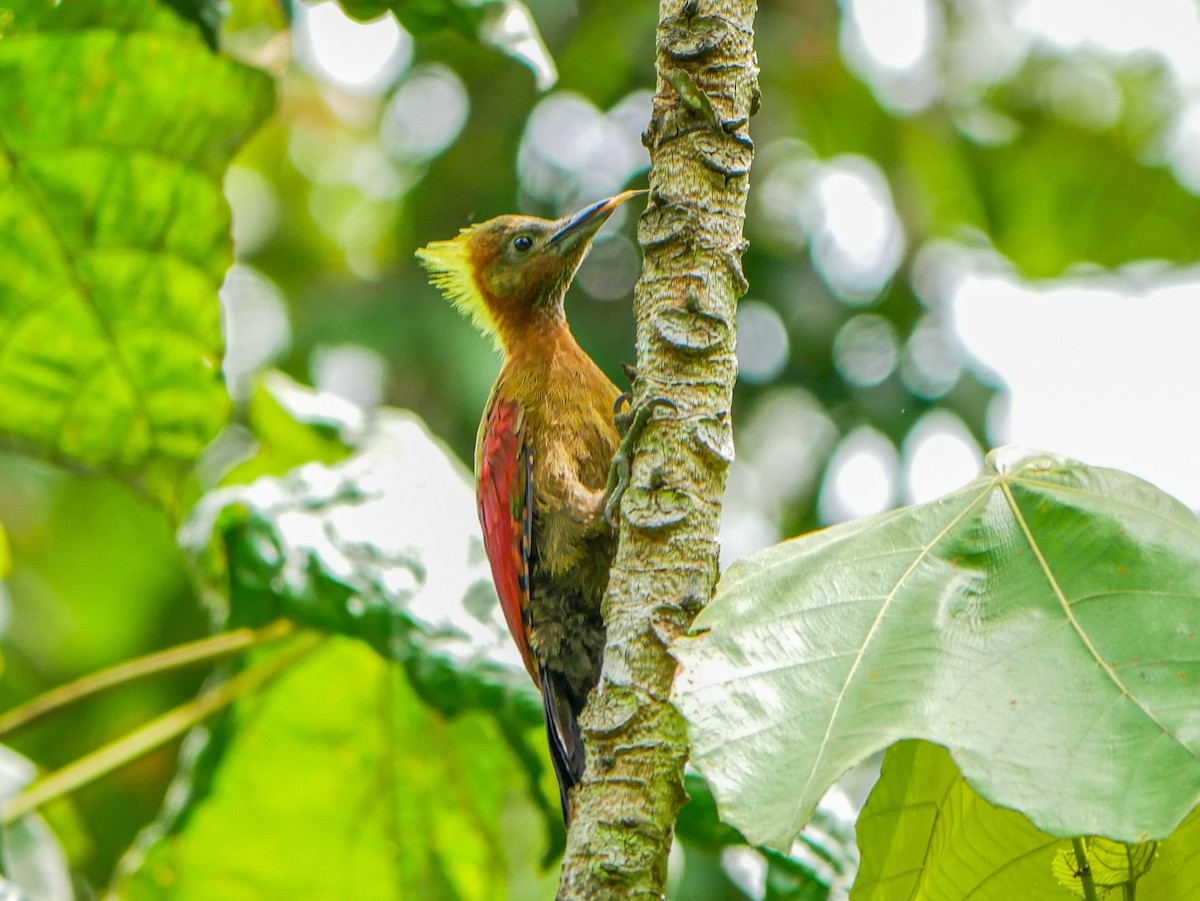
(522, 242)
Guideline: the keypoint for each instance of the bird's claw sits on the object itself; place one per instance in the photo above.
(624, 398)
(630, 425)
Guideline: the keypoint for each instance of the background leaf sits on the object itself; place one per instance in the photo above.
(114, 234)
(206, 14)
(504, 25)
(340, 782)
(289, 431)
(1040, 622)
(926, 835)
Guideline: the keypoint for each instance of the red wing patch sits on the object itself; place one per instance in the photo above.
(506, 511)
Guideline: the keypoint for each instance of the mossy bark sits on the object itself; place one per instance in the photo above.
(666, 564)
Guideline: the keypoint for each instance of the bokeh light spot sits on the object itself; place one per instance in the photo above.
(762, 344)
(350, 371)
(611, 269)
(1185, 147)
(861, 477)
(842, 209)
(865, 350)
(425, 115)
(940, 455)
(894, 32)
(858, 242)
(1089, 363)
(891, 44)
(361, 56)
(1170, 28)
(571, 153)
(255, 207)
(257, 330)
(786, 436)
(932, 361)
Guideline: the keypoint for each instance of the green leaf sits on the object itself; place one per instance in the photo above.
(5, 555)
(288, 431)
(1100, 183)
(1113, 865)
(339, 782)
(504, 25)
(116, 124)
(1040, 623)
(925, 835)
(1176, 871)
(206, 15)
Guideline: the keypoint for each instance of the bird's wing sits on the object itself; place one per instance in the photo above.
(505, 463)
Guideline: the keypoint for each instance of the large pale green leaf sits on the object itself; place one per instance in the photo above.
(1040, 623)
(339, 782)
(505, 25)
(116, 124)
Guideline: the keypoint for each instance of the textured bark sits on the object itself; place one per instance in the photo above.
(666, 564)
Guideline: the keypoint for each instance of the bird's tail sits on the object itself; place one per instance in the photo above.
(562, 707)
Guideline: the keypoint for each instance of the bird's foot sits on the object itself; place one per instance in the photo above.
(630, 425)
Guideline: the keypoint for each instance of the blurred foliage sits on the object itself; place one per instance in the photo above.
(1055, 158)
(207, 14)
(340, 782)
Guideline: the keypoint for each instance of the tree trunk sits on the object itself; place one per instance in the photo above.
(666, 564)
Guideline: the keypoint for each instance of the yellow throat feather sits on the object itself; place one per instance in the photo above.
(449, 266)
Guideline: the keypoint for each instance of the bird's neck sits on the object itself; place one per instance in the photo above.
(538, 336)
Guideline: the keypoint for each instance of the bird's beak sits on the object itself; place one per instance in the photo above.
(582, 225)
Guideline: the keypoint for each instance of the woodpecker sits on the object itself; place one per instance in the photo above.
(545, 444)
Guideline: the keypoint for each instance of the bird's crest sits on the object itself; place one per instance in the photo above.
(450, 271)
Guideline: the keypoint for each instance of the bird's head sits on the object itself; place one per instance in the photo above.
(510, 274)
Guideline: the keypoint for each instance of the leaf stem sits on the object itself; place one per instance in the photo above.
(210, 648)
(1129, 889)
(155, 733)
(1085, 872)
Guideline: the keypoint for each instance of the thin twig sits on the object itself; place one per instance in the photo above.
(155, 733)
(206, 649)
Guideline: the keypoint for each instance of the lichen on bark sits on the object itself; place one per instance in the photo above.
(666, 564)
